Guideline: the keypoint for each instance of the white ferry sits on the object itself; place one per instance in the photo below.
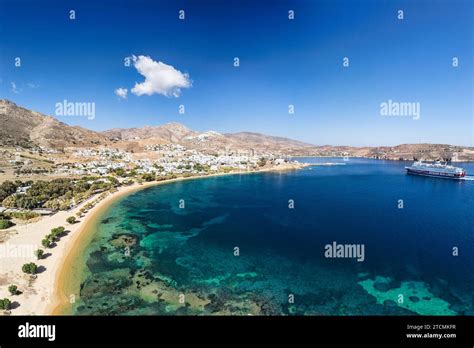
(437, 169)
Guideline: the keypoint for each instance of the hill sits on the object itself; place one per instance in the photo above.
(31, 129)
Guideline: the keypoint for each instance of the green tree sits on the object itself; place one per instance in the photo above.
(56, 232)
(5, 304)
(39, 254)
(119, 172)
(71, 220)
(46, 242)
(13, 289)
(27, 202)
(148, 177)
(113, 181)
(29, 268)
(8, 188)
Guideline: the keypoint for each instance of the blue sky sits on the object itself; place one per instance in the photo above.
(282, 62)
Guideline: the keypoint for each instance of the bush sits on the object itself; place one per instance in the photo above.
(5, 304)
(22, 201)
(29, 268)
(13, 289)
(201, 168)
(39, 254)
(9, 202)
(46, 242)
(7, 188)
(148, 177)
(119, 172)
(56, 232)
(71, 220)
(23, 215)
(5, 224)
(52, 237)
(113, 180)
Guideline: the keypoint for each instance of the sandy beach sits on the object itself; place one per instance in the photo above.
(38, 296)
(57, 281)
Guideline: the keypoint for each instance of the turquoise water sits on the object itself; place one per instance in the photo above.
(183, 260)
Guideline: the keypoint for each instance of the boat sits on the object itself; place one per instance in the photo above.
(437, 169)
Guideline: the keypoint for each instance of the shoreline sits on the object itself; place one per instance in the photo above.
(66, 282)
(62, 280)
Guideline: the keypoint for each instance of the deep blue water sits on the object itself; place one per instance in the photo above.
(190, 251)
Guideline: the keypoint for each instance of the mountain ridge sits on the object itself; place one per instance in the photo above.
(26, 128)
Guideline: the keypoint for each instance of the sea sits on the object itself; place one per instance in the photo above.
(342, 237)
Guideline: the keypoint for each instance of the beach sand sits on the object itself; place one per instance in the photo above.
(38, 296)
(58, 280)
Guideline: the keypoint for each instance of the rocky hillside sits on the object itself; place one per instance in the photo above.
(170, 132)
(423, 151)
(209, 141)
(30, 129)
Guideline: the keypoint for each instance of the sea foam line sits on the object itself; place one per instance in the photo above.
(468, 178)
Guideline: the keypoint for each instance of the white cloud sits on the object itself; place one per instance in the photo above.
(121, 92)
(15, 89)
(32, 85)
(160, 78)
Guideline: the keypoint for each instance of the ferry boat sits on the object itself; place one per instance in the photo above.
(436, 169)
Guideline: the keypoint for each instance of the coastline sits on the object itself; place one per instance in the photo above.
(66, 281)
(49, 293)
